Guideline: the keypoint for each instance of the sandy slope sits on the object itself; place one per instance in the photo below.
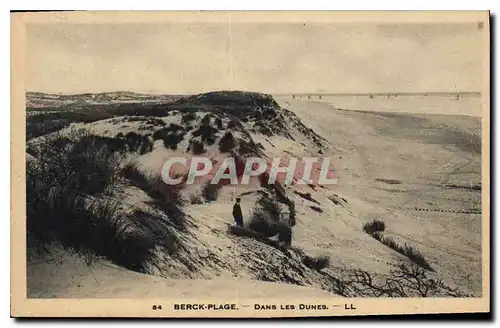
(423, 152)
(68, 276)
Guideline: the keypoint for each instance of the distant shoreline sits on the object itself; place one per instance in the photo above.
(143, 94)
(383, 94)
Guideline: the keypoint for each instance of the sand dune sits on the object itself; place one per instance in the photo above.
(418, 173)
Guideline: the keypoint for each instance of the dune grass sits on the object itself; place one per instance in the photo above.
(317, 263)
(70, 203)
(265, 217)
(375, 229)
(374, 226)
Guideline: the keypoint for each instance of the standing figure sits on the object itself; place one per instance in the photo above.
(238, 216)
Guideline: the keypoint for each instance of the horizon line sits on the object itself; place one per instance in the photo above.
(158, 93)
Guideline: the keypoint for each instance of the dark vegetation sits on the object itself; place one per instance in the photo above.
(171, 135)
(36, 127)
(164, 197)
(472, 187)
(78, 161)
(405, 280)
(306, 196)
(265, 217)
(285, 234)
(374, 226)
(261, 109)
(210, 191)
(317, 209)
(188, 117)
(407, 250)
(60, 188)
(227, 143)
(317, 263)
(69, 203)
(375, 229)
(337, 200)
(206, 132)
(389, 181)
(196, 199)
(138, 143)
(196, 147)
(290, 265)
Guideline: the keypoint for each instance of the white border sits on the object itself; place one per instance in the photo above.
(179, 5)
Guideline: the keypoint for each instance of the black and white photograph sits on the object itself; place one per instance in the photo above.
(253, 164)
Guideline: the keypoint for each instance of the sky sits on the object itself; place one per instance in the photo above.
(185, 58)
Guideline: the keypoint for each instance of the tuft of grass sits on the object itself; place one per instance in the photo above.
(234, 123)
(227, 142)
(76, 161)
(165, 197)
(67, 205)
(211, 191)
(146, 145)
(317, 263)
(307, 196)
(207, 133)
(389, 181)
(316, 208)
(265, 217)
(218, 123)
(196, 199)
(171, 135)
(188, 117)
(152, 183)
(374, 226)
(196, 147)
(375, 229)
(285, 234)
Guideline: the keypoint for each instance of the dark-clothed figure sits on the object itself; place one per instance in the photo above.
(238, 216)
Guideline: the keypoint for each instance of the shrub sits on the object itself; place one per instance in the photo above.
(316, 208)
(78, 161)
(66, 205)
(207, 134)
(405, 280)
(284, 234)
(134, 141)
(158, 134)
(171, 140)
(375, 229)
(196, 199)
(265, 217)
(157, 228)
(188, 117)
(35, 128)
(210, 191)
(227, 142)
(307, 196)
(205, 121)
(146, 145)
(152, 183)
(166, 197)
(196, 147)
(374, 226)
(317, 263)
(218, 123)
(156, 121)
(414, 255)
(233, 123)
